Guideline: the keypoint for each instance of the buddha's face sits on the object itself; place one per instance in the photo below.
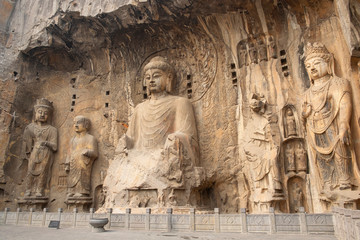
(79, 125)
(316, 67)
(155, 80)
(41, 114)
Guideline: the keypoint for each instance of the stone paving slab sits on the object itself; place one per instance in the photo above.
(40, 233)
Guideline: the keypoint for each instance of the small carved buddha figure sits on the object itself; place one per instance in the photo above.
(290, 123)
(83, 151)
(271, 45)
(40, 143)
(301, 158)
(327, 110)
(253, 53)
(290, 158)
(242, 54)
(262, 50)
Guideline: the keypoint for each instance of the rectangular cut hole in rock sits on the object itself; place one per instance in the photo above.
(73, 103)
(285, 68)
(189, 90)
(107, 92)
(233, 74)
(74, 96)
(234, 81)
(144, 88)
(283, 61)
(106, 104)
(189, 84)
(71, 109)
(145, 96)
(188, 77)
(282, 52)
(232, 65)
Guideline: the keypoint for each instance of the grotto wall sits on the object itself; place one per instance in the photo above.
(239, 63)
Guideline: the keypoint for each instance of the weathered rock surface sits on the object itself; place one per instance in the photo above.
(240, 64)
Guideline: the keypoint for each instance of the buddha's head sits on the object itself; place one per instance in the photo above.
(81, 124)
(318, 61)
(159, 76)
(43, 110)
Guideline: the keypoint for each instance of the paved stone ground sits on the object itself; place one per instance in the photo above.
(37, 233)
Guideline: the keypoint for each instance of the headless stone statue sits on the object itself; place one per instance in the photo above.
(83, 151)
(159, 153)
(40, 143)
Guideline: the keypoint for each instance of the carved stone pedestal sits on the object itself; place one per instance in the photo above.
(82, 203)
(344, 199)
(37, 203)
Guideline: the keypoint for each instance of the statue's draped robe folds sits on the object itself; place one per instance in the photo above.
(40, 157)
(335, 161)
(80, 166)
(162, 149)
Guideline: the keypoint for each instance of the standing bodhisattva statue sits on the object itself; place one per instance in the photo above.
(327, 110)
(40, 140)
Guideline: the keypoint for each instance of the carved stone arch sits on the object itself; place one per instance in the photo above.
(297, 194)
(99, 196)
(242, 53)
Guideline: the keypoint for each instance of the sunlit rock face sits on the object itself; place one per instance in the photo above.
(245, 125)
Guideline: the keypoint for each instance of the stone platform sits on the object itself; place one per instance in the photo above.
(22, 232)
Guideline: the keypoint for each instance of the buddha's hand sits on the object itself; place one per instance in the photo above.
(124, 144)
(306, 109)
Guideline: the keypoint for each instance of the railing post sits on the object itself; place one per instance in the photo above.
(302, 220)
(355, 217)
(243, 220)
(18, 210)
(92, 210)
(44, 217)
(169, 219)
(358, 230)
(31, 215)
(109, 212)
(147, 219)
(192, 219)
(272, 220)
(75, 211)
(5, 214)
(59, 213)
(127, 218)
(217, 219)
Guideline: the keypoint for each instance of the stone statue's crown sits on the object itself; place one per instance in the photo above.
(42, 102)
(316, 50)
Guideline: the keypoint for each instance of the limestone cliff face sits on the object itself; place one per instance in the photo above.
(240, 63)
